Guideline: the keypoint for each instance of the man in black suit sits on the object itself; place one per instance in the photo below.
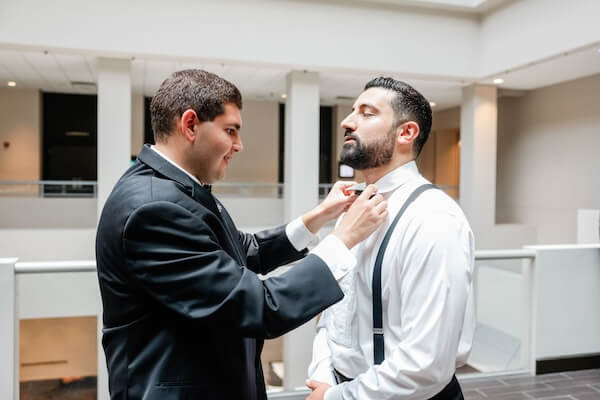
(185, 313)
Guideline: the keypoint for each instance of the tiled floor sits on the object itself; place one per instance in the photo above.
(84, 389)
(576, 385)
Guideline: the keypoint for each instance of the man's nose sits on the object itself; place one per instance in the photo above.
(238, 145)
(348, 123)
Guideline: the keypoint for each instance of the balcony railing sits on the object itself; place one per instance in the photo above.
(10, 269)
(88, 189)
(48, 188)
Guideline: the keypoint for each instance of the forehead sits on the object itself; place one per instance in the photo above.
(232, 114)
(379, 98)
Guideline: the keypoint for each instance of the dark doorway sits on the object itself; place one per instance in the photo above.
(69, 139)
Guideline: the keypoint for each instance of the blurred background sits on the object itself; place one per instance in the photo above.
(515, 90)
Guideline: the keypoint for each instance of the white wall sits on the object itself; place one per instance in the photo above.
(56, 236)
(530, 30)
(548, 159)
(20, 126)
(47, 213)
(48, 244)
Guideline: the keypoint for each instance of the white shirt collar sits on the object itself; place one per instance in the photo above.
(175, 165)
(397, 177)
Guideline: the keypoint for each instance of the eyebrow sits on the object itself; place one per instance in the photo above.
(366, 105)
(235, 125)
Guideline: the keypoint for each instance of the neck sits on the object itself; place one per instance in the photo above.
(175, 155)
(372, 175)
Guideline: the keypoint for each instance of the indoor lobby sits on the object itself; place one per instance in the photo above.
(514, 86)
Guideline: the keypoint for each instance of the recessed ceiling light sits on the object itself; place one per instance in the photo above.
(12, 83)
(432, 103)
(498, 81)
(284, 96)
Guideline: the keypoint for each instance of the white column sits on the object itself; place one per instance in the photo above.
(301, 193)
(9, 331)
(478, 136)
(114, 153)
(137, 123)
(114, 123)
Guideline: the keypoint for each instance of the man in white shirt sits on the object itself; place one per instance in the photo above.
(426, 270)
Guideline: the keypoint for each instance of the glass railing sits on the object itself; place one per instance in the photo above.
(48, 188)
(515, 348)
(88, 189)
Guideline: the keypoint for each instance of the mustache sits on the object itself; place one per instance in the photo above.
(349, 133)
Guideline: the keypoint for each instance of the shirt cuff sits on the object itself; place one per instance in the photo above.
(336, 255)
(299, 235)
(323, 373)
(334, 393)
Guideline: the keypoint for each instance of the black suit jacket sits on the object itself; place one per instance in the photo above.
(184, 310)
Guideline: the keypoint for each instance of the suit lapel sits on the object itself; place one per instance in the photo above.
(232, 231)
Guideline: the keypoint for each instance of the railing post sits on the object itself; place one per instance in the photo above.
(9, 331)
(102, 392)
(528, 327)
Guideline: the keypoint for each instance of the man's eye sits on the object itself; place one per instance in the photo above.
(230, 131)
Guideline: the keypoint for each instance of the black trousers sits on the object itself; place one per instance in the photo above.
(452, 391)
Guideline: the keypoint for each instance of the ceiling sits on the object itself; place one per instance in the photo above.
(69, 73)
(73, 73)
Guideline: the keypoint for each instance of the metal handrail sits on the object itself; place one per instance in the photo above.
(90, 265)
(513, 254)
(43, 267)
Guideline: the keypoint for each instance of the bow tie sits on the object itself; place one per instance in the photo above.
(208, 187)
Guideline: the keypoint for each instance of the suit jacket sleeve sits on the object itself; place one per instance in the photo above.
(268, 249)
(175, 257)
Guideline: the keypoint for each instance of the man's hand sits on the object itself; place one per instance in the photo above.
(318, 389)
(364, 216)
(337, 201)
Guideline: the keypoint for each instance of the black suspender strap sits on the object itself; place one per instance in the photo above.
(378, 343)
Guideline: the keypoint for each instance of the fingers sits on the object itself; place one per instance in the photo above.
(380, 208)
(312, 385)
(368, 192)
(344, 184)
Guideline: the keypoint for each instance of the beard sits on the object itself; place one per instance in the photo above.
(361, 156)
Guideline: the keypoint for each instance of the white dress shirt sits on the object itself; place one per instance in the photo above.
(427, 301)
(300, 237)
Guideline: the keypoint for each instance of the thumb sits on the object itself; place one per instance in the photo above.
(312, 385)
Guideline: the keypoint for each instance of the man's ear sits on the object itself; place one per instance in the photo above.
(408, 132)
(186, 124)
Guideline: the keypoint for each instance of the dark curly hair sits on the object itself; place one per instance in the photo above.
(201, 91)
(408, 104)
